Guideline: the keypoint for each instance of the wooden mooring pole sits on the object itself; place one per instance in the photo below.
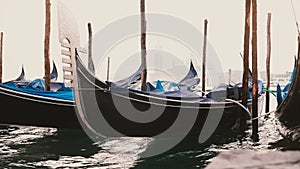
(1, 54)
(255, 135)
(204, 57)
(229, 76)
(108, 63)
(143, 47)
(268, 62)
(90, 49)
(46, 46)
(243, 119)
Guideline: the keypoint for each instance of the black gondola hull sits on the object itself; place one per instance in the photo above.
(97, 103)
(288, 112)
(24, 109)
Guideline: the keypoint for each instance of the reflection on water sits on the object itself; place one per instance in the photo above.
(113, 153)
(34, 147)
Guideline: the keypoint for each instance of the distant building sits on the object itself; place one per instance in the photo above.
(235, 77)
(276, 78)
(282, 78)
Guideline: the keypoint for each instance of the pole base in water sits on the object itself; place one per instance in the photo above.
(255, 137)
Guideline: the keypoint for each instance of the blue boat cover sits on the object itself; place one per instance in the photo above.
(281, 94)
(150, 87)
(260, 88)
(129, 80)
(180, 90)
(220, 92)
(293, 74)
(159, 87)
(21, 78)
(54, 74)
(186, 95)
(36, 87)
(191, 79)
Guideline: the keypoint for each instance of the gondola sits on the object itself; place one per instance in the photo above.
(105, 108)
(287, 112)
(25, 102)
(173, 104)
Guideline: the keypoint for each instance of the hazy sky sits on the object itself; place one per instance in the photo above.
(23, 25)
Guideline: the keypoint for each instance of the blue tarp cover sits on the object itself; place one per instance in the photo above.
(281, 94)
(128, 81)
(191, 79)
(36, 87)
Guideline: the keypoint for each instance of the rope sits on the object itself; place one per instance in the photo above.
(270, 91)
(249, 113)
(256, 118)
(242, 106)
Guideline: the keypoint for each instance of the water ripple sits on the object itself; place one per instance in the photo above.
(36, 147)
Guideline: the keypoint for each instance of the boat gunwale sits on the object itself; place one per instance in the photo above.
(36, 98)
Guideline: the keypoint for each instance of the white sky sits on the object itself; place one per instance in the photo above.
(23, 25)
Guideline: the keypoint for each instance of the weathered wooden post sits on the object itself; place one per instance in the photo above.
(143, 47)
(229, 76)
(204, 57)
(1, 53)
(90, 49)
(243, 121)
(46, 46)
(268, 62)
(255, 135)
(108, 63)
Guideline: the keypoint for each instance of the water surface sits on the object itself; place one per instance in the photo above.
(36, 147)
